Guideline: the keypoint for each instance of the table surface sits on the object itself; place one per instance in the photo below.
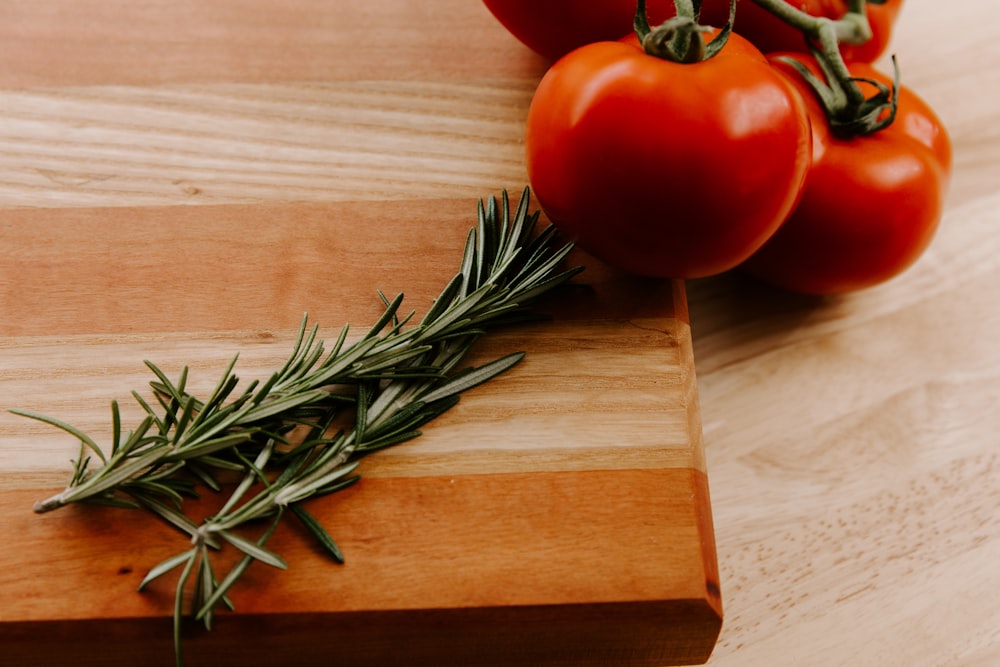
(851, 442)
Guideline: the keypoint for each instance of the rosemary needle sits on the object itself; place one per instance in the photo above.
(399, 375)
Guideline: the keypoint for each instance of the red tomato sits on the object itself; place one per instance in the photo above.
(770, 34)
(870, 206)
(666, 169)
(553, 28)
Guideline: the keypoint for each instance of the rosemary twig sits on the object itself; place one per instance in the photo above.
(400, 376)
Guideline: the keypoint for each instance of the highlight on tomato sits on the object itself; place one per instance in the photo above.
(664, 168)
(871, 204)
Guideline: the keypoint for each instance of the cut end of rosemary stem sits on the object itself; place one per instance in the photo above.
(53, 503)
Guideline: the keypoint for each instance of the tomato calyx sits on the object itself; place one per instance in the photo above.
(849, 112)
(681, 39)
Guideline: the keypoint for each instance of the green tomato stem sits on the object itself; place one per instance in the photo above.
(680, 39)
(847, 108)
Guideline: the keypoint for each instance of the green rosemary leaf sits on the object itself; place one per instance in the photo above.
(474, 377)
(116, 427)
(453, 289)
(222, 589)
(179, 607)
(407, 419)
(254, 550)
(387, 316)
(549, 284)
(137, 441)
(168, 406)
(255, 469)
(172, 516)
(403, 415)
(502, 232)
(175, 392)
(339, 485)
(490, 235)
(454, 315)
(222, 390)
(211, 426)
(538, 248)
(338, 346)
(300, 490)
(521, 226)
(492, 316)
(468, 266)
(80, 466)
(166, 566)
(68, 428)
(311, 354)
(163, 472)
(165, 389)
(203, 586)
(201, 472)
(365, 392)
(503, 264)
(318, 531)
(148, 488)
(150, 412)
(209, 582)
(210, 461)
(482, 246)
(390, 359)
(392, 439)
(209, 445)
(187, 412)
(337, 367)
(253, 473)
(296, 347)
(284, 404)
(385, 303)
(531, 275)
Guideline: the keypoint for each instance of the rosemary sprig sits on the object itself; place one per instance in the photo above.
(390, 382)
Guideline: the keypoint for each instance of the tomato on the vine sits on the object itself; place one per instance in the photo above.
(771, 34)
(667, 169)
(553, 28)
(871, 204)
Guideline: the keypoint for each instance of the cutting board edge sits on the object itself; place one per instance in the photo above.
(638, 634)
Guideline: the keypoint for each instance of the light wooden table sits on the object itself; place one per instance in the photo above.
(851, 443)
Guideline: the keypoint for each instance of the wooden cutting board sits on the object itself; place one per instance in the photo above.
(180, 182)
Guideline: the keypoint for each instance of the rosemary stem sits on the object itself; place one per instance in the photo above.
(403, 378)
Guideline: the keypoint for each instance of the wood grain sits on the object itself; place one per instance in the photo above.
(852, 442)
(180, 182)
(92, 42)
(408, 569)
